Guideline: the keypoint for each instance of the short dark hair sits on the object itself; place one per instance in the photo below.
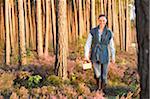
(102, 15)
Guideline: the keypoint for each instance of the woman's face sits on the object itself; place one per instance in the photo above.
(102, 21)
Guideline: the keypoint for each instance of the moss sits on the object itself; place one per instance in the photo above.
(53, 80)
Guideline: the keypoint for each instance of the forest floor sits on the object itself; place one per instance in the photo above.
(37, 79)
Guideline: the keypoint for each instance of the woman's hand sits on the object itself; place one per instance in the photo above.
(86, 59)
(113, 61)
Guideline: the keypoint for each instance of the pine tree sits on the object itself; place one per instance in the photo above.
(39, 29)
(22, 47)
(61, 52)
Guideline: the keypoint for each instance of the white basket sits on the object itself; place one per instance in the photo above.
(87, 66)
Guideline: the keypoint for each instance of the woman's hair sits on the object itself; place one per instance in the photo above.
(102, 15)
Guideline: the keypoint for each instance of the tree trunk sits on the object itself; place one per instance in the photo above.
(43, 14)
(117, 26)
(120, 25)
(26, 25)
(30, 25)
(61, 52)
(81, 28)
(88, 16)
(13, 25)
(39, 29)
(102, 7)
(16, 28)
(123, 23)
(93, 21)
(11, 32)
(75, 17)
(115, 22)
(105, 7)
(54, 24)
(7, 37)
(142, 26)
(50, 31)
(22, 48)
(109, 15)
(127, 41)
(47, 26)
(69, 18)
(84, 17)
(2, 30)
(34, 34)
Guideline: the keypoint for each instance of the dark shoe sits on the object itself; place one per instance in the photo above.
(103, 86)
(99, 85)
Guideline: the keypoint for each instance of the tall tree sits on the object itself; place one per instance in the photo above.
(34, 34)
(87, 15)
(39, 29)
(69, 18)
(120, 25)
(61, 52)
(30, 25)
(109, 15)
(53, 24)
(2, 26)
(127, 43)
(13, 25)
(115, 23)
(47, 26)
(84, 17)
(7, 37)
(142, 27)
(43, 14)
(102, 7)
(81, 27)
(105, 6)
(93, 20)
(22, 48)
(123, 22)
(75, 18)
(11, 30)
(26, 25)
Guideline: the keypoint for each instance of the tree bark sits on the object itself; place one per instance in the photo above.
(127, 40)
(43, 14)
(2, 35)
(123, 23)
(143, 37)
(13, 25)
(61, 55)
(34, 34)
(75, 18)
(53, 25)
(11, 32)
(30, 25)
(93, 21)
(115, 23)
(7, 37)
(105, 7)
(47, 26)
(102, 7)
(109, 15)
(69, 18)
(84, 17)
(81, 27)
(120, 25)
(39, 29)
(88, 16)
(22, 48)
(26, 25)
